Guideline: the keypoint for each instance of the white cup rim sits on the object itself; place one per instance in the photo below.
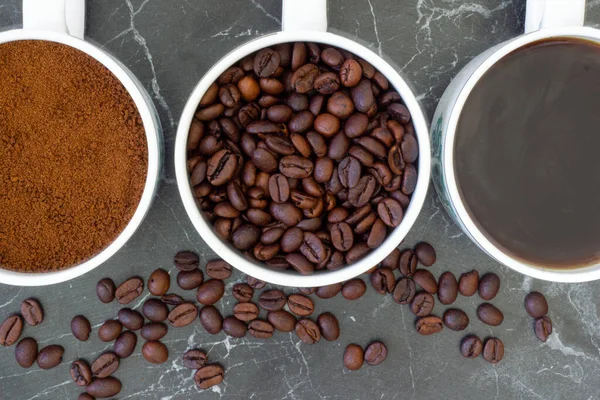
(153, 133)
(471, 227)
(292, 278)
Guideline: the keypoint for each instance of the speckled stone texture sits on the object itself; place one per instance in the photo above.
(169, 45)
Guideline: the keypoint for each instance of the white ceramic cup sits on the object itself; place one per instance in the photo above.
(304, 21)
(63, 21)
(545, 19)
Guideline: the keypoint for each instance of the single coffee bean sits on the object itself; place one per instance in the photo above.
(209, 376)
(282, 320)
(468, 283)
(493, 350)
(186, 260)
(104, 387)
(81, 328)
(329, 326)
(272, 300)
(26, 352)
(390, 212)
(376, 353)
(242, 292)
(159, 282)
(349, 172)
(188, 280)
(105, 365)
(110, 330)
(392, 260)
(255, 283)
(171, 299)
(429, 325)
(105, 290)
(313, 248)
(328, 291)
(447, 288)
(80, 372)
(194, 359)
(155, 310)
(354, 357)
(129, 290)
(426, 280)
(350, 73)
(131, 319)
(408, 263)
(308, 331)
(354, 289)
(489, 284)
(300, 263)
(409, 179)
(260, 329)
(410, 148)
(300, 305)
(210, 291)
(455, 319)
(127, 341)
(342, 236)
(422, 304)
(471, 346)
(234, 327)
(153, 331)
(183, 315)
(536, 305)
(383, 280)
(50, 356)
(543, 328)
(155, 352)
(266, 62)
(246, 311)
(425, 253)
(489, 314)
(279, 188)
(218, 269)
(10, 330)
(405, 290)
(85, 396)
(211, 319)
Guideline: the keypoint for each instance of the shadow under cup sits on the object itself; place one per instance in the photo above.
(525, 154)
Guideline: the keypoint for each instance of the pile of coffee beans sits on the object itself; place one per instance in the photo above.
(537, 307)
(303, 156)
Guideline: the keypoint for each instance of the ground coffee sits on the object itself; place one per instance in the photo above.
(73, 156)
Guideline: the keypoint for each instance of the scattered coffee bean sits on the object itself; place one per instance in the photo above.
(405, 290)
(50, 356)
(354, 289)
(543, 328)
(493, 350)
(429, 325)
(407, 263)
(354, 357)
(308, 331)
(383, 280)
(155, 310)
(468, 283)
(422, 304)
(536, 305)
(376, 353)
(81, 328)
(105, 365)
(105, 290)
(129, 290)
(242, 292)
(155, 352)
(209, 376)
(425, 253)
(455, 319)
(194, 359)
(10, 330)
(211, 319)
(110, 330)
(26, 352)
(272, 300)
(260, 329)
(328, 291)
(282, 320)
(188, 280)
(300, 305)
(81, 373)
(131, 319)
(159, 282)
(234, 327)
(489, 284)
(254, 283)
(246, 311)
(32, 312)
(471, 346)
(186, 261)
(489, 314)
(85, 396)
(210, 291)
(307, 291)
(104, 387)
(126, 342)
(183, 315)
(447, 288)
(171, 299)
(329, 326)
(426, 280)
(392, 260)
(218, 269)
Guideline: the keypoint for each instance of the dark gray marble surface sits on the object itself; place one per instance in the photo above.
(169, 44)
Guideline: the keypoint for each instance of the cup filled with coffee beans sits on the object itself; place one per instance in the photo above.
(302, 157)
(80, 148)
(514, 141)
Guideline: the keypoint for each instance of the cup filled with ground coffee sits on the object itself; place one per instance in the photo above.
(514, 140)
(302, 157)
(80, 148)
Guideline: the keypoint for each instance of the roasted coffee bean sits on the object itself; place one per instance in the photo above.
(392, 260)
(409, 179)
(194, 359)
(357, 252)
(342, 236)
(350, 73)
(328, 291)
(429, 325)
(300, 263)
(211, 319)
(390, 212)
(242, 292)
(300, 305)
(383, 280)
(326, 83)
(447, 288)
(395, 160)
(272, 235)
(471, 346)
(210, 291)
(354, 289)
(329, 326)
(234, 327)
(110, 330)
(266, 61)
(171, 299)
(493, 350)
(211, 93)
(218, 269)
(308, 331)
(81, 328)
(129, 290)
(155, 310)
(376, 353)
(155, 352)
(536, 305)
(410, 148)
(282, 320)
(361, 194)
(10, 330)
(279, 113)
(543, 328)
(362, 96)
(296, 167)
(405, 290)
(489, 314)
(50, 356)
(399, 112)
(286, 213)
(425, 253)
(260, 329)
(468, 283)
(312, 248)
(245, 236)
(456, 319)
(183, 315)
(489, 284)
(246, 311)
(26, 352)
(188, 280)
(310, 225)
(159, 282)
(279, 188)
(105, 365)
(85, 396)
(356, 125)
(323, 169)
(349, 172)
(422, 304)
(80, 372)
(153, 331)
(362, 155)
(255, 283)
(408, 263)
(354, 357)
(125, 344)
(186, 261)
(272, 300)
(209, 376)
(249, 88)
(104, 387)
(105, 290)
(131, 319)
(377, 234)
(304, 77)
